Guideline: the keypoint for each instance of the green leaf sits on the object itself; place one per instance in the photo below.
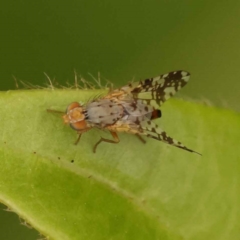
(128, 190)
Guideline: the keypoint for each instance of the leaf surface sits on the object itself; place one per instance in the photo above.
(128, 190)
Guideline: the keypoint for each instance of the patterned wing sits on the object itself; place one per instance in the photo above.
(140, 100)
(155, 91)
(150, 129)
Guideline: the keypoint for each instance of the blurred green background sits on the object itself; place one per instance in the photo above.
(121, 40)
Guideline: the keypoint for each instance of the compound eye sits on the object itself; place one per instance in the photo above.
(72, 106)
(78, 125)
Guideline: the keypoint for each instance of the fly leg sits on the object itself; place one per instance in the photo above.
(115, 140)
(80, 132)
(140, 138)
(78, 139)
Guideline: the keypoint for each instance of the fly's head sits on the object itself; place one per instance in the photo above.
(75, 116)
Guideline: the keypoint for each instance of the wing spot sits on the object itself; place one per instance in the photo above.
(154, 130)
(137, 121)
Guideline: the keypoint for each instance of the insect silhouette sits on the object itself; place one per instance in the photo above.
(130, 109)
